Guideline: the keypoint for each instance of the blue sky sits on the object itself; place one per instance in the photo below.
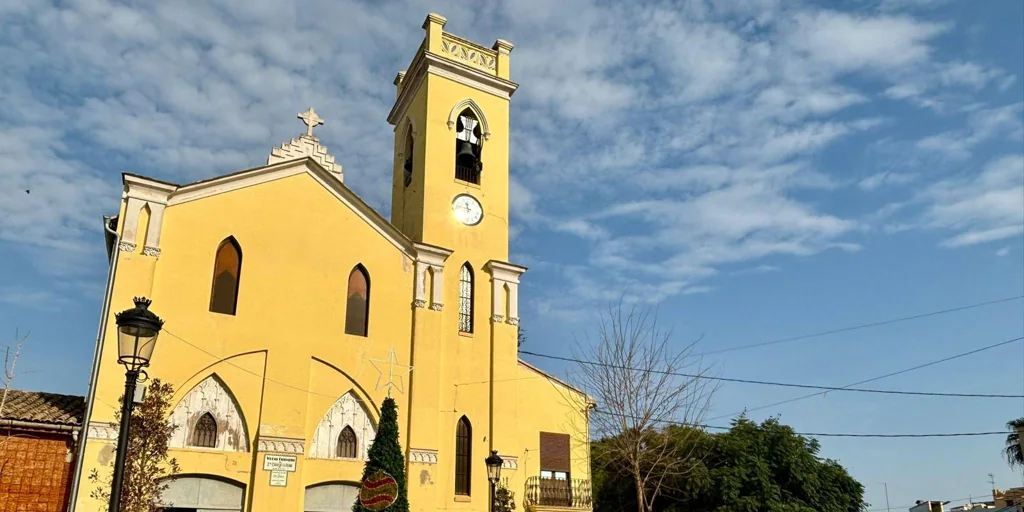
(756, 169)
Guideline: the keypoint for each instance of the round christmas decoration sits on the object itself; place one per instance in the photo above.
(379, 491)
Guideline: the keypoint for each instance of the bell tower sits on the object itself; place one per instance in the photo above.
(451, 119)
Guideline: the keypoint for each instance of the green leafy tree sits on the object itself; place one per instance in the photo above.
(148, 465)
(1014, 452)
(386, 454)
(750, 468)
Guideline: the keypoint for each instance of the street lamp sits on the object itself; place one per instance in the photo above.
(137, 329)
(493, 462)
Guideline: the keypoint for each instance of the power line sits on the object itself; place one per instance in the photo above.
(880, 377)
(780, 384)
(817, 434)
(861, 326)
(296, 388)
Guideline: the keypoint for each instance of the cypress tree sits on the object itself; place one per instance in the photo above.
(386, 454)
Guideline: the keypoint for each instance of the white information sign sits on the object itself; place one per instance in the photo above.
(279, 462)
(278, 478)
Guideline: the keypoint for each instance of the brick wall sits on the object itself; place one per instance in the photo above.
(35, 475)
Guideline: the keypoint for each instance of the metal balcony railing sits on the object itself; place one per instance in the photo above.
(571, 493)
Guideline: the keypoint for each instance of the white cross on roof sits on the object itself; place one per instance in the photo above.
(311, 119)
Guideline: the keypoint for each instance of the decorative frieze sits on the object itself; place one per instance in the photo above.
(420, 303)
(103, 430)
(282, 445)
(497, 318)
(423, 456)
(151, 251)
(126, 246)
(509, 462)
(512, 320)
(468, 52)
(437, 306)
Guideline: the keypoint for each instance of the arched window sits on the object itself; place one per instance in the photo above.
(466, 299)
(204, 435)
(347, 448)
(227, 268)
(357, 309)
(407, 165)
(467, 147)
(463, 456)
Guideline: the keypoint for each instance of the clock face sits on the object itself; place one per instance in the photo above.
(467, 209)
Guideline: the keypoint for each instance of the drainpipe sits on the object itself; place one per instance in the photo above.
(100, 336)
(35, 425)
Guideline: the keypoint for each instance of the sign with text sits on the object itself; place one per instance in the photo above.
(278, 478)
(279, 462)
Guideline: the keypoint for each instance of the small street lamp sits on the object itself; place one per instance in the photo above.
(494, 463)
(137, 329)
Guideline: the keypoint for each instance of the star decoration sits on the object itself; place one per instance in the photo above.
(394, 371)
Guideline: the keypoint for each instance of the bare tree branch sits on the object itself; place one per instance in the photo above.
(628, 373)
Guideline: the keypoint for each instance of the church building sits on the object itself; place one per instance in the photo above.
(293, 309)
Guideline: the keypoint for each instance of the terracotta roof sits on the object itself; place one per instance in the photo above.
(43, 407)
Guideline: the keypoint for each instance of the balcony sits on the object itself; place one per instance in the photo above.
(550, 493)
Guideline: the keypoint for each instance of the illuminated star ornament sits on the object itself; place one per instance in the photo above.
(394, 371)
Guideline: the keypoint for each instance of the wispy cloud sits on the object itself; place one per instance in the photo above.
(980, 208)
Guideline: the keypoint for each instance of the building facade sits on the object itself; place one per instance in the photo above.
(292, 309)
(38, 436)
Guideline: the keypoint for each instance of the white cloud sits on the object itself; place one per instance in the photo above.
(881, 179)
(849, 42)
(983, 124)
(679, 136)
(1005, 251)
(981, 208)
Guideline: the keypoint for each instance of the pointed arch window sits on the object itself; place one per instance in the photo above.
(204, 435)
(227, 269)
(347, 444)
(357, 308)
(407, 166)
(463, 456)
(466, 299)
(468, 147)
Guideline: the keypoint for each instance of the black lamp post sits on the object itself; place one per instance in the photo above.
(493, 462)
(137, 329)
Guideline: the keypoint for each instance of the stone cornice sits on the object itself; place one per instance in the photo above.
(429, 63)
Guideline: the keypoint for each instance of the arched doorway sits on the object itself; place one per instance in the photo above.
(200, 493)
(331, 497)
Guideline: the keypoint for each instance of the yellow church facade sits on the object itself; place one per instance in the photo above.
(292, 309)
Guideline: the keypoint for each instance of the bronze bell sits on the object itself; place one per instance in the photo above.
(465, 150)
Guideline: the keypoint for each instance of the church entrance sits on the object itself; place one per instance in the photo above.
(202, 494)
(331, 497)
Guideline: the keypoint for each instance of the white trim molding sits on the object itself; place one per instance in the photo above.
(479, 112)
(282, 445)
(423, 455)
(509, 462)
(430, 260)
(305, 145)
(126, 246)
(151, 251)
(505, 277)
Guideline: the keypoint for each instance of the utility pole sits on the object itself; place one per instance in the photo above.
(886, 484)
